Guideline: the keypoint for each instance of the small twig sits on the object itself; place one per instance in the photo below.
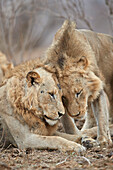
(86, 160)
(63, 161)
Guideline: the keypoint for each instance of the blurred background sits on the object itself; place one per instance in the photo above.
(28, 27)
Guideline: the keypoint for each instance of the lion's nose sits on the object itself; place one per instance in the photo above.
(60, 114)
(77, 114)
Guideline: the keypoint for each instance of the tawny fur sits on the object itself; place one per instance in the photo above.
(82, 62)
(5, 66)
(31, 106)
(24, 100)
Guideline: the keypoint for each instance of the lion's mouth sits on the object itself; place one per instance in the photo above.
(51, 118)
(77, 115)
(50, 121)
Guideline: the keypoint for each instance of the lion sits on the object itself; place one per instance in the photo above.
(5, 66)
(82, 62)
(31, 106)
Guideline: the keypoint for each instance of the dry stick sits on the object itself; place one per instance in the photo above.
(63, 161)
(86, 160)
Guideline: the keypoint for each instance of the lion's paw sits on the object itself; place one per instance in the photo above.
(88, 142)
(72, 146)
(104, 141)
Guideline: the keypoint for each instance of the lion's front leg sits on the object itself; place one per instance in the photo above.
(89, 120)
(71, 137)
(51, 142)
(22, 137)
(101, 113)
(69, 124)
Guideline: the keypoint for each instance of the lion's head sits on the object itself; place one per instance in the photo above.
(36, 92)
(80, 88)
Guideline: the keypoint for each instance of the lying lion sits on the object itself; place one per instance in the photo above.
(82, 61)
(31, 105)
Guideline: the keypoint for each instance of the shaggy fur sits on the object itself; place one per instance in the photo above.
(82, 62)
(31, 105)
(5, 66)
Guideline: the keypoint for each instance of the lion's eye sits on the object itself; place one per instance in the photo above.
(78, 93)
(42, 91)
(52, 95)
(59, 86)
(32, 81)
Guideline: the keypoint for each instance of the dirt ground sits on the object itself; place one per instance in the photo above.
(14, 158)
(95, 158)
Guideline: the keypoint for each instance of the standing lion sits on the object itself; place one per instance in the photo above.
(82, 61)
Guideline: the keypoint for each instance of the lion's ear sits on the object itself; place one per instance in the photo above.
(65, 29)
(83, 62)
(33, 77)
(61, 30)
